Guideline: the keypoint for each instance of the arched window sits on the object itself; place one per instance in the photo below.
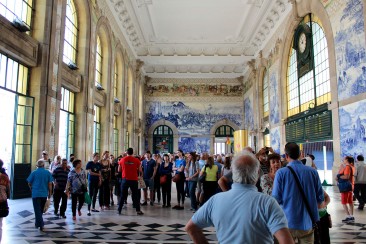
(308, 82)
(265, 94)
(71, 33)
(21, 9)
(98, 63)
(224, 137)
(224, 131)
(163, 139)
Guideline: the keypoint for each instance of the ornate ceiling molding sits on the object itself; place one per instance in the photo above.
(192, 81)
(136, 20)
(195, 99)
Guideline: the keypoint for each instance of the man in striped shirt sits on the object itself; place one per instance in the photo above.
(60, 179)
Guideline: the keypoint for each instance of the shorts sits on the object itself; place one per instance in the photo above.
(347, 197)
(149, 184)
(199, 186)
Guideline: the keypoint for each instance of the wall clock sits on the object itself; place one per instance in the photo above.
(304, 49)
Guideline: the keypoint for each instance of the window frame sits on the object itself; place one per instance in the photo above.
(71, 45)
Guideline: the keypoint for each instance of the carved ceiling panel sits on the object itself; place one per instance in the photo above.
(190, 31)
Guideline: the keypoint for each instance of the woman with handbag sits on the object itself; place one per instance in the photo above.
(210, 182)
(193, 171)
(345, 176)
(77, 186)
(166, 169)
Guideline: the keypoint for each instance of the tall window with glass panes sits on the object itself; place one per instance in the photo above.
(115, 137)
(97, 130)
(67, 123)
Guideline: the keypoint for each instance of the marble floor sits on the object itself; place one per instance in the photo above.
(157, 225)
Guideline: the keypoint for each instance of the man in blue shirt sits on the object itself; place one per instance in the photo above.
(40, 183)
(149, 169)
(179, 166)
(241, 215)
(94, 179)
(287, 194)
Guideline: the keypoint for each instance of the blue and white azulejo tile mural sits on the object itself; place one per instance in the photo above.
(193, 118)
(248, 114)
(274, 114)
(350, 49)
(194, 144)
(276, 139)
(352, 122)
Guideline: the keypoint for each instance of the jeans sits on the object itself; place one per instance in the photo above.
(93, 192)
(59, 195)
(74, 199)
(192, 193)
(38, 206)
(124, 192)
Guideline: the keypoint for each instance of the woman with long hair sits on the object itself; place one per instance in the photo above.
(104, 190)
(76, 186)
(267, 179)
(193, 171)
(227, 166)
(165, 170)
(210, 183)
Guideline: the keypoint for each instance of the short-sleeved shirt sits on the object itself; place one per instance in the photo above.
(39, 179)
(347, 171)
(211, 173)
(287, 194)
(179, 163)
(148, 167)
(130, 166)
(60, 176)
(257, 222)
(95, 168)
(193, 168)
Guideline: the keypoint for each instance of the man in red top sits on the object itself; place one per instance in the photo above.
(130, 166)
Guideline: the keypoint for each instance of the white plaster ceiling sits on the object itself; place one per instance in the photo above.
(197, 38)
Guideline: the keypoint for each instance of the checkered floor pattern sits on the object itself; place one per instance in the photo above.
(157, 225)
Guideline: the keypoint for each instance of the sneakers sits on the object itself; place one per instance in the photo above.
(176, 207)
(348, 220)
(139, 213)
(151, 204)
(144, 204)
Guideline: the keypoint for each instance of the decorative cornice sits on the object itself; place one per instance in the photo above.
(195, 99)
(105, 10)
(191, 81)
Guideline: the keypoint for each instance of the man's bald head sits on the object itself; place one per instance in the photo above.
(245, 168)
(248, 149)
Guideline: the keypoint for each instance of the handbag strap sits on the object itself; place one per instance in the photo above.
(302, 193)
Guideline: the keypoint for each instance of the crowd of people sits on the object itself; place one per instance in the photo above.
(268, 184)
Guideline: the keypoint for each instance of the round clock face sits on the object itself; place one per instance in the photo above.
(302, 42)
